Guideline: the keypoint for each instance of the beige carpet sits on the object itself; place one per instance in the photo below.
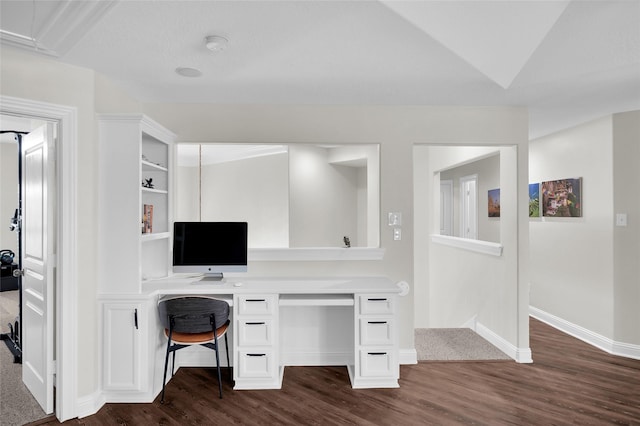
(454, 344)
(17, 405)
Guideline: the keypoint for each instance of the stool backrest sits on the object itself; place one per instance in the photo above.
(193, 314)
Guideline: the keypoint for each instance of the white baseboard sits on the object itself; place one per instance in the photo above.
(520, 355)
(407, 356)
(599, 341)
(470, 323)
(90, 404)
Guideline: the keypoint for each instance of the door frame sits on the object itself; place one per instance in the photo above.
(66, 245)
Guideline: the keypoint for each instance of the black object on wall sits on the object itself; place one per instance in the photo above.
(11, 278)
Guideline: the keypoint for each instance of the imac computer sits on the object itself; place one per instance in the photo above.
(210, 248)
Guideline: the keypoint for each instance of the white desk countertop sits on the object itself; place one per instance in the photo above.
(178, 284)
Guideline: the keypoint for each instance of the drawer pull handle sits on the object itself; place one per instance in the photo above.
(377, 322)
(256, 354)
(256, 300)
(255, 323)
(377, 353)
(383, 299)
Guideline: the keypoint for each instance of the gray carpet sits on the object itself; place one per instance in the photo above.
(17, 405)
(454, 344)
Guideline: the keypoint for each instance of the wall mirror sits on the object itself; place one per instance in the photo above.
(293, 196)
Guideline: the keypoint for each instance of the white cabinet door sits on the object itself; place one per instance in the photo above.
(122, 347)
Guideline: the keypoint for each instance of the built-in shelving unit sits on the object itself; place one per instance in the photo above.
(135, 201)
(135, 155)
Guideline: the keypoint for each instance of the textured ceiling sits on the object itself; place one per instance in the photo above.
(568, 61)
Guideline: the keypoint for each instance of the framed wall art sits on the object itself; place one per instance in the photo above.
(562, 198)
(534, 200)
(494, 203)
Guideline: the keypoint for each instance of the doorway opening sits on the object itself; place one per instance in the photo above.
(24, 185)
(66, 259)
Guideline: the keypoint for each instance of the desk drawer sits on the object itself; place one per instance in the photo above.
(378, 331)
(255, 332)
(375, 304)
(256, 364)
(377, 362)
(257, 304)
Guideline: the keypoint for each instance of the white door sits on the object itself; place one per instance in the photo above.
(38, 243)
(446, 207)
(469, 207)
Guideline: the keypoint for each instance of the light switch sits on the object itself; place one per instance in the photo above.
(395, 219)
(621, 219)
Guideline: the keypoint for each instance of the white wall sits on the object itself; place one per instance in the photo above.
(572, 258)
(8, 194)
(488, 172)
(254, 190)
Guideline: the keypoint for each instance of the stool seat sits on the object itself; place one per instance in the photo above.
(197, 338)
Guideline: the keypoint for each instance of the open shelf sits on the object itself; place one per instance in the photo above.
(153, 190)
(152, 236)
(148, 166)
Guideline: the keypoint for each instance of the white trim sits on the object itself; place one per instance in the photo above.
(478, 246)
(594, 339)
(315, 254)
(62, 29)
(90, 404)
(66, 292)
(520, 355)
(407, 356)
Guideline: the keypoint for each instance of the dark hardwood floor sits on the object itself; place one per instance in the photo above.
(569, 382)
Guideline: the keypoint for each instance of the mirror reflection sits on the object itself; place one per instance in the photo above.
(295, 195)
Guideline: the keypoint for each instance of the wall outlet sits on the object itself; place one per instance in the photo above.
(621, 219)
(397, 234)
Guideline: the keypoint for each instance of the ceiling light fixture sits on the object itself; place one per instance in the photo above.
(215, 43)
(188, 72)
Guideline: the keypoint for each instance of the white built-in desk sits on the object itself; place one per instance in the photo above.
(296, 321)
